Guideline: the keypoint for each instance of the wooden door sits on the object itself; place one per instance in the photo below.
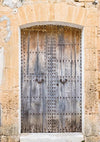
(51, 80)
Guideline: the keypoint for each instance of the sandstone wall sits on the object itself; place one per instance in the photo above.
(82, 13)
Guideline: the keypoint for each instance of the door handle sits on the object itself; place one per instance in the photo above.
(63, 81)
(39, 81)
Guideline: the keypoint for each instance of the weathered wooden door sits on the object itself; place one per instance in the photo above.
(51, 80)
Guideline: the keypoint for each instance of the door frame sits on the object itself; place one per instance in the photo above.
(82, 60)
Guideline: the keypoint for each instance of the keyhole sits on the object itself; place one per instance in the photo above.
(57, 84)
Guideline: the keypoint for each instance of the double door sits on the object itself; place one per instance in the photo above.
(51, 80)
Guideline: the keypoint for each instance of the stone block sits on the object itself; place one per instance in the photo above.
(91, 139)
(91, 17)
(52, 138)
(10, 139)
(91, 125)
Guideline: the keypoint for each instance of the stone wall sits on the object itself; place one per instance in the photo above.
(82, 13)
